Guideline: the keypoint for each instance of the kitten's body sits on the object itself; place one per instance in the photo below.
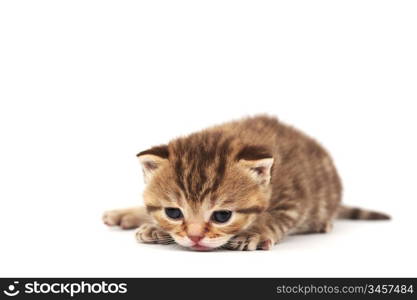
(273, 179)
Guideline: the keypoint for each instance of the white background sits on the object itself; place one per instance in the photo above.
(85, 85)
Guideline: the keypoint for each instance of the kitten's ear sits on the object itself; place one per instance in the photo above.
(258, 162)
(153, 159)
(260, 170)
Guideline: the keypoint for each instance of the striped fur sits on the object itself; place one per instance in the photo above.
(355, 213)
(276, 181)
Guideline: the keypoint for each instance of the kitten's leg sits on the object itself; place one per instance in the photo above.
(137, 217)
(151, 233)
(314, 227)
(126, 218)
(268, 229)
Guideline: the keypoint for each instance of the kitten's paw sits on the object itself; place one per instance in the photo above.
(125, 218)
(248, 241)
(150, 233)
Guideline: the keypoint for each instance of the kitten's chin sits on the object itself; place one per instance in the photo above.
(201, 248)
(203, 245)
(208, 246)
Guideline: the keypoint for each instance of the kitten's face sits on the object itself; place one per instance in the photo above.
(202, 210)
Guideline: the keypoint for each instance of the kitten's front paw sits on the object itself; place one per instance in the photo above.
(249, 241)
(125, 218)
(150, 233)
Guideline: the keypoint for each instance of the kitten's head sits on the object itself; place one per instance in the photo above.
(205, 189)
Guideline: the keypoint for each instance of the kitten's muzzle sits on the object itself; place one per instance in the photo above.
(196, 238)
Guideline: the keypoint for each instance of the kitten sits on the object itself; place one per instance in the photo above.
(243, 185)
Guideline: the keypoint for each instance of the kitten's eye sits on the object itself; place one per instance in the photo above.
(221, 216)
(173, 213)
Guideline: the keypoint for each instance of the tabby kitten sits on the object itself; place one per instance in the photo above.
(243, 185)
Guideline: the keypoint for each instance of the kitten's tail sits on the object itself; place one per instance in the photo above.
(355, 213)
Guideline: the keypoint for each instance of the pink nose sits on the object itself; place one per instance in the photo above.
(195, 238)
